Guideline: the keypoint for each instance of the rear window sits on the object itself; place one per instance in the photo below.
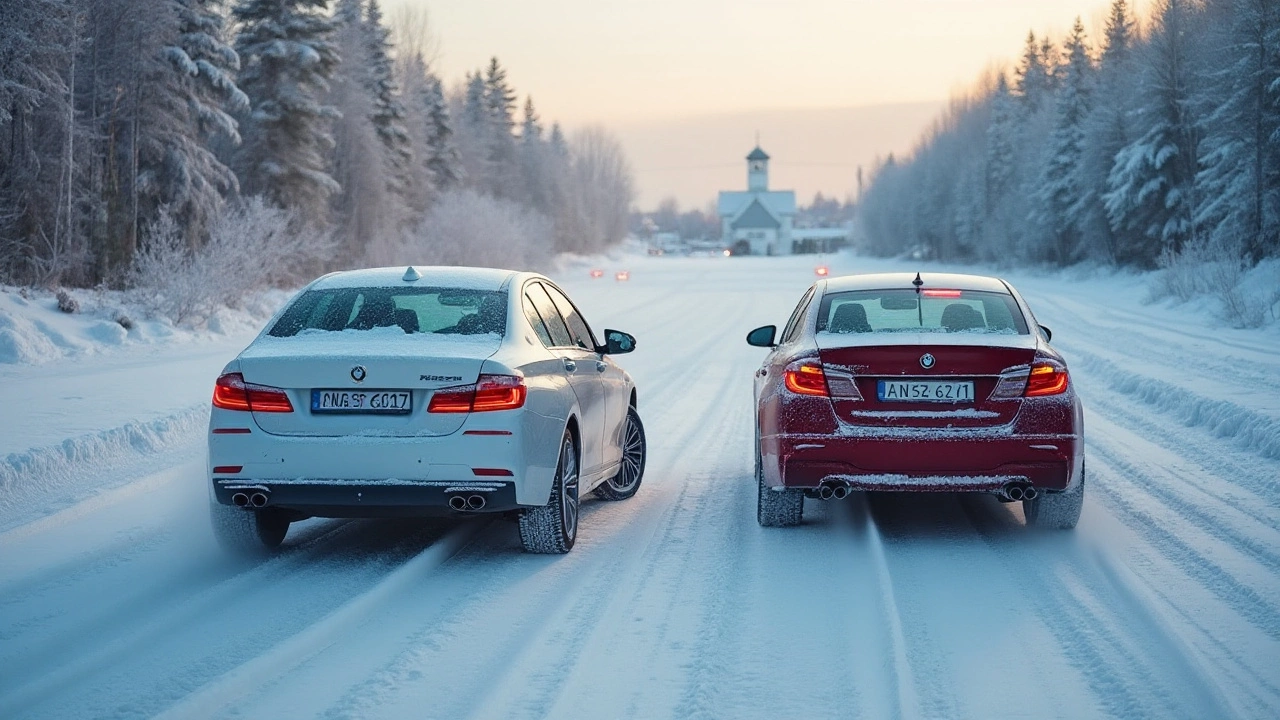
(897, 310)
(438, 311)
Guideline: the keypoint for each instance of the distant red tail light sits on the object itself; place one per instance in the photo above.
(822, 271)
(491, 392)
(1047, 379)
(231, 392)
(806, 377)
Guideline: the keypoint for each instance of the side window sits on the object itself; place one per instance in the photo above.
(547, 310)
(578, 327)
(539, 328)
(792, 330)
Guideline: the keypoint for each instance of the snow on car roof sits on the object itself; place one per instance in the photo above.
(469, 278)
(883, 281)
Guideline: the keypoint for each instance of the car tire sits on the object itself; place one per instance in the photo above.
(553, 528)
(247, 532)
(634, 451)
(776, 508)
(1056, 511)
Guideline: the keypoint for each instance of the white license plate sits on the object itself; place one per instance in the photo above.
(390, 402)
(924, 391)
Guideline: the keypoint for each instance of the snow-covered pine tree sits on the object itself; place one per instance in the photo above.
(534, 165)
(500, 106)
(442, 158)
(1240, 181)
(388, 110)
(1150, 196)
(287, 58)
(472, 132)
(1001, 170)
(1059, 196)
(1032, 80)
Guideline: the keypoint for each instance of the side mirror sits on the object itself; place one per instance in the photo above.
(1048, 334)
(617, 342)
(762, 336)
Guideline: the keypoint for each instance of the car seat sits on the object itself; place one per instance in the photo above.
(849, 318)
(959, 316)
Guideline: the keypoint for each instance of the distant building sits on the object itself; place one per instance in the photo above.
(819, 240)
(758, 221)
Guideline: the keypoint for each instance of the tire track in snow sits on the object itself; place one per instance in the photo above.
(904, 682)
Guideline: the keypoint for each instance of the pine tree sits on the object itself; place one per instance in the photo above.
(1001, 134)
(442, 159)
(388, 111)
(1150, 196)
(500, 104)
(1241, 175)
(1032, 84)
(287, 58)
(1060, 197)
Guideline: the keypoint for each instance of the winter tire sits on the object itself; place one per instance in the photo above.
(634, 450)
(552, 528)
(777, 508)
(1056, 511)
(247, 532)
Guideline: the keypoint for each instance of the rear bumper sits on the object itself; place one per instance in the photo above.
(346, 498)
(933, 464)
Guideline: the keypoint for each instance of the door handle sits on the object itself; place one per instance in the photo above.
(570, 365)
(600, 366)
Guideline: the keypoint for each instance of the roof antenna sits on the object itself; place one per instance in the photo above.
(411, 273)
(918, 283)
(919, 306)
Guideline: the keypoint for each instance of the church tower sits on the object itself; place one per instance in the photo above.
(758, 171)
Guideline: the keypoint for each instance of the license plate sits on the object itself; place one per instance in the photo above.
(387, 402)
(924, 391)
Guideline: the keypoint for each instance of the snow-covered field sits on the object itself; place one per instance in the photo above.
(1164, 603)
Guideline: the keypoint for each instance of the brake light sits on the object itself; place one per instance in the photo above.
(941, 293)
(231, 392)
(491, 392)
(1046, 379)
(805, 377)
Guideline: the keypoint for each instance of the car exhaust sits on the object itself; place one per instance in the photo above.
(475, 502)
(1030, 493)
(826, 492)
(240, 499)
(457, 502)
(258, 499)
(840, 492)
(1013, 491)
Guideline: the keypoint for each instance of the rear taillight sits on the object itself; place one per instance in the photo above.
(491, 392)
(232, 393)
(805, 377)
(1047, 378)
(1012, 384)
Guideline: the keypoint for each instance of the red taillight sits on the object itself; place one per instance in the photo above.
(941, 293)
(821, 271)
(1046, 379)
(227, 469)
(805, 377)
(232, 393)
(491, 392)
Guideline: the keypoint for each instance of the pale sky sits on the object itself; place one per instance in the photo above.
(642, 63)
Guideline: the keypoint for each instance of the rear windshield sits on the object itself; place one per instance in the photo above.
(440, 311)
(886, 311)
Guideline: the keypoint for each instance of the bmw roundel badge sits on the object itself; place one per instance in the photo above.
(926, 361)
(357, 373)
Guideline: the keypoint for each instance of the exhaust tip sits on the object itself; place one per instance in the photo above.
(1014, 492)
(840, 492)
(239, 499)
(825, 492)
(475, 502)
(1030, 493)
(258, 499)
(457, 502)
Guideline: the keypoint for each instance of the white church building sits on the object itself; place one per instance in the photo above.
(759, 220)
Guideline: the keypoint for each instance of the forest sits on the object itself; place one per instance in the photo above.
(1155, 145)
(194, 150)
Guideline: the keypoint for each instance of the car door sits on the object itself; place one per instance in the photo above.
(614, 382)
(580, 367)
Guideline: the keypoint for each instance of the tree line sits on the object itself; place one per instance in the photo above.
(140, 138)
(1153, 145)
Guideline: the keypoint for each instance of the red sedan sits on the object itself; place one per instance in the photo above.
(934, 383)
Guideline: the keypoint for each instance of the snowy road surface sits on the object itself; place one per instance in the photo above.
(1164, 603)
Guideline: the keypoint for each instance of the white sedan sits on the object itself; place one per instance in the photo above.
(393, 392)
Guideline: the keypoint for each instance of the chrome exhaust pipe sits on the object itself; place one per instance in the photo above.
(1030, 493)
(258, 499)
(457, 502)
(840, 492)
(825, 492)
(1013, 492)
(475, 502)
(240, 499)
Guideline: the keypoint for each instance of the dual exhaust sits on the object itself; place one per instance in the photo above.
(1016, 491)
(834, 490)
(254, 501)
(467, 503)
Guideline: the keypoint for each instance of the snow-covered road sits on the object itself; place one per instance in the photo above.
(1164, 603)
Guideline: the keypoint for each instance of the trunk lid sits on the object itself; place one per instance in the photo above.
(390, 361)
(959, 357)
